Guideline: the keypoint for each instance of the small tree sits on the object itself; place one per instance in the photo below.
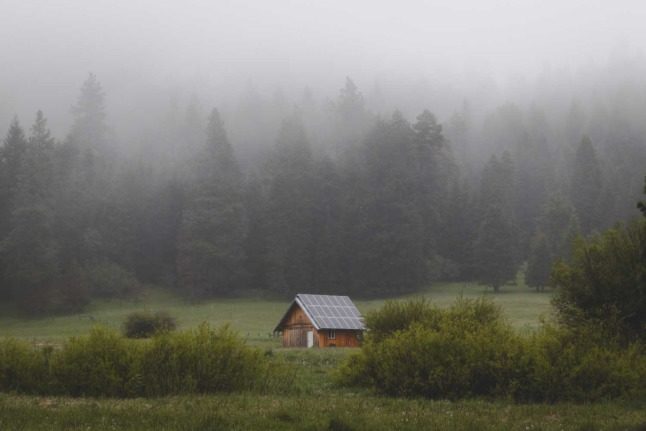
(540, 263)
(605, 283)
(557, 229)
(495, 249)
(586, 184)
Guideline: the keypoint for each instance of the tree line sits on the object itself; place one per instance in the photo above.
(367, 206)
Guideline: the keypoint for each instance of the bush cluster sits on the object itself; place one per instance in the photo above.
(469, 350)
(144, 324)
(604, 284)
(105, 363)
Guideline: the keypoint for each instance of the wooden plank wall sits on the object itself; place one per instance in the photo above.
(297, 324)
(344, 338)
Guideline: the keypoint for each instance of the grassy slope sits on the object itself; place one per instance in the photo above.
(253, 318)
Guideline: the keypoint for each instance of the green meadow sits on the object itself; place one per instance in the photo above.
(253, 318)
(315, 403)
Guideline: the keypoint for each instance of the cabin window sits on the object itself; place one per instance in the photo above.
(331, 334)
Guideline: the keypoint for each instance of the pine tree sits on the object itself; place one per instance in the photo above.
(351, 119)
(13, 153)
(497, 185)
(290, 211)
(159, 229)
(85, 199)
(11, 159)
(557, 229)
(539, 264)
(327, 192)
(434, 172)
(256, 236)
(458, 229)
(29, 250)
(496, 243)
(211, 240)
(586, 185)
(495, 254)
(559, 223)
(351, 102)
(384, 227)
(534, 175)
(89, 130)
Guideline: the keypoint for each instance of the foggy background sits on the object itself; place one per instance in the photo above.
(268, 148)
(414, 53)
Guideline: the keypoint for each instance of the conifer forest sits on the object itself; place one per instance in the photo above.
(354, 192)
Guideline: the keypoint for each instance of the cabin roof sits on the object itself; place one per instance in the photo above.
(327, 312)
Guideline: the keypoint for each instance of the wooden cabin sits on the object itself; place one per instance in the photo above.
(321, 321)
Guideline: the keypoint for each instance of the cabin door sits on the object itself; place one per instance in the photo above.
(310, 339)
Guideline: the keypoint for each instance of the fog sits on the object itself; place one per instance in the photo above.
(263, 148)
(416, 53)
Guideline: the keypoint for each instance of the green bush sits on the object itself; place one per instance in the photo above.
(400, 315)
(106, 364)
(202, 361)
(564, 364)
(469, 350)
(466, 350)
(605, 283)
(100, 364)
(23, 369)
(143, 324)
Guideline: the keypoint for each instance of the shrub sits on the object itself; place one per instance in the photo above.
(399, 315)
(23, 369)
(564, 364)
(605, 283)
(143, 324)
(203, 361)
(106, 364)
(469, 350)
(353, 371)
(99, 364)
(462, 351)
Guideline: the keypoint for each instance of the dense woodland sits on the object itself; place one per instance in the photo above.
(327, 196)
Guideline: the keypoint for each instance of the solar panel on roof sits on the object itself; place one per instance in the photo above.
(331, 312)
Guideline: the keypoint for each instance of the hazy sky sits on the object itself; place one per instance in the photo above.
(47, 47)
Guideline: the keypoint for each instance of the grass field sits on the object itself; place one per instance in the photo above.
(334, 412)
(315, 402)
(253, 318)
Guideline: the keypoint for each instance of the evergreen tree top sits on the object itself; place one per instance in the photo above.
(215, 133)
(89, 127)
(428, 129)
(40, 134)
(91, 101)
(350, 99)
(16, 135)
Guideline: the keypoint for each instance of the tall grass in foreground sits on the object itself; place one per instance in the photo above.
(104, 363)
(331, 411)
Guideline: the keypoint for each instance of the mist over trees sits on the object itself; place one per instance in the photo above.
(278, 195)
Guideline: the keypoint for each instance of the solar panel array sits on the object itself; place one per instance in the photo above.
(332, 312)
